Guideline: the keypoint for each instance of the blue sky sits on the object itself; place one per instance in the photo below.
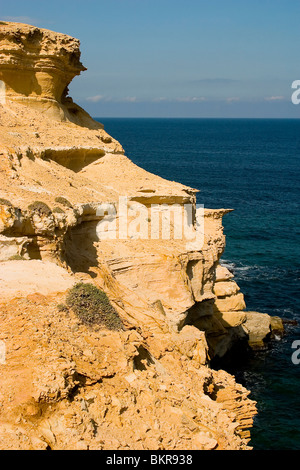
(178, 58)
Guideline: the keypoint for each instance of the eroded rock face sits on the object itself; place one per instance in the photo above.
(65, 386)
(42, 59)
(46, 62)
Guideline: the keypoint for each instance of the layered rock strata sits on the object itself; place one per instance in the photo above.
(66, 385)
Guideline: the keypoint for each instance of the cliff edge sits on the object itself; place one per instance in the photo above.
(74, 209)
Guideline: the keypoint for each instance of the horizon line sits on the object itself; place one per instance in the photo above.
(192, 117)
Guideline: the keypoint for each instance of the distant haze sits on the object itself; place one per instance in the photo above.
(178, 58)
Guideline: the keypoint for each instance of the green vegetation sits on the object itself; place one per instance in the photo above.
(30, 154)
(16, 257)
(63, 201)
(59, 210)
(92, 306)
(62, 308)
(40, 207)
(5, 202)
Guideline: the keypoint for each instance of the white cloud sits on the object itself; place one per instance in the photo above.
(129, 99)
(232, 99)
(191, 99)
(186, 99)
(160, 99)
(274, 98)
(96, 98)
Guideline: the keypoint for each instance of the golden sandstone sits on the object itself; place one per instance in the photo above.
(67, 385)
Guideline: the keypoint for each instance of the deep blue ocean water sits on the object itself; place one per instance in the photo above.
(253, 167)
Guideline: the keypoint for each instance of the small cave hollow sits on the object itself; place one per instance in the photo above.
(143, 359)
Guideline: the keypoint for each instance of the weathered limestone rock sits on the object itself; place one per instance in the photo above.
(66, 386)
(226, 289)
(46, 63)
(19, 278)
(258, 327)
(7, 215)
(232, 319)
(13, 248)
(230, 303)
(211, 325)
(191, 342)
(222, 274)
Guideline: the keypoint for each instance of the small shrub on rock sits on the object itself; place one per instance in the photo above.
(58, 210)
(40, 207)
(63, 201)
(92, 306)
(5, 202)
(62, 308)
(16, 258)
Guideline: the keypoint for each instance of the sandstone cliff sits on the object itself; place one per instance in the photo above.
(68, 385)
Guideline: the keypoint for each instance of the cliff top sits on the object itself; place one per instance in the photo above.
(29, 46)
(49, 144)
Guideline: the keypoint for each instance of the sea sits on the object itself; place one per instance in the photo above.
(253, 167)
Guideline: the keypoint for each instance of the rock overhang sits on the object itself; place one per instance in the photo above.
(45, 61)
